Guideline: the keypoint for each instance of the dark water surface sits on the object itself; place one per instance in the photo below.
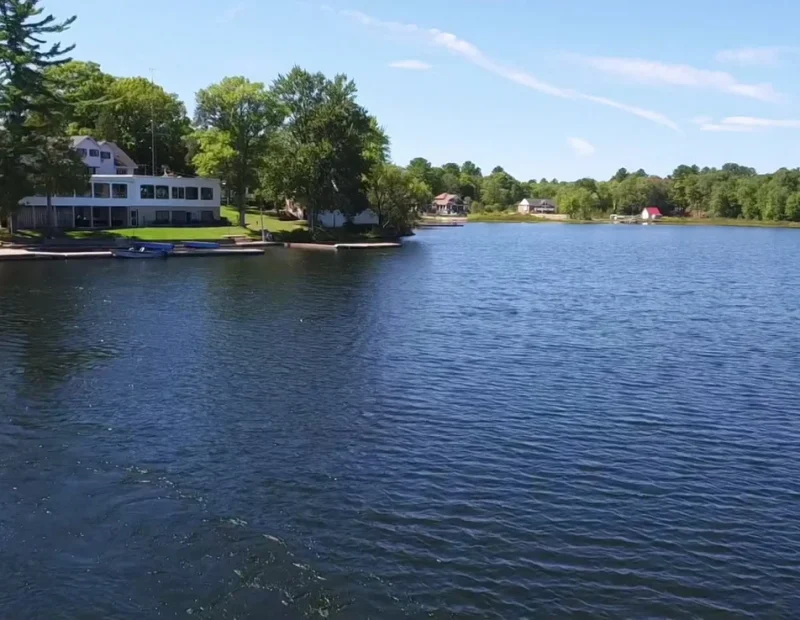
(499, 421)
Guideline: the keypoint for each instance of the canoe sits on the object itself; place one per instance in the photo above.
(140, 253)
(201, 245)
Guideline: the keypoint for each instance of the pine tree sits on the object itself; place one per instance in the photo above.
(28, 103)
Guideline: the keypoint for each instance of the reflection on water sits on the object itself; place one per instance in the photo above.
(496, 421)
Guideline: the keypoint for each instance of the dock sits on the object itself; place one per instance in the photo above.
(13, 254)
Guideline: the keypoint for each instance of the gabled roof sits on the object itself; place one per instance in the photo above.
(445, 198)
(76, 140)
(538, 202)
(119, 155)
(653, 210)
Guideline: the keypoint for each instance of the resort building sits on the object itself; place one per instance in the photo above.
(116, 197)
(536, 205)
(448, 204)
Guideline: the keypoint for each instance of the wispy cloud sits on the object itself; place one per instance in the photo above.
(650, 72)
(231, 13)
(745, 123)
(410, 65)
(581, 147)
(755, 56)
(476, 56)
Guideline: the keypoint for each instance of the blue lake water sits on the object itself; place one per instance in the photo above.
(497, 421)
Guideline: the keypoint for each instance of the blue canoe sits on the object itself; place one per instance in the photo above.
(201, 245)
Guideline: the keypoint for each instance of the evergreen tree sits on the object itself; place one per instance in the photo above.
(28, 103)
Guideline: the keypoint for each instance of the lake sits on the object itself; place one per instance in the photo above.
(496, 421)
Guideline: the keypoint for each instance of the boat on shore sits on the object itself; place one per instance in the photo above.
(139, 253)
(153, 246)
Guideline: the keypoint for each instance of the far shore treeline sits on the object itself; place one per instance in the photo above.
(303, 138)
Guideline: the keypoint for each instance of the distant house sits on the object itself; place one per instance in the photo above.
(651, 213)
(448, 204)
(536, 205)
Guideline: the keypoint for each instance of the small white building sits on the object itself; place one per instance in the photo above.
(116, 197)
(334, 219)
(536, 205)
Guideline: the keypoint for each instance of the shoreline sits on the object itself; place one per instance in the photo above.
(667, 221)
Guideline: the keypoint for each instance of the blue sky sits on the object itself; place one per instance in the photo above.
(545, 89)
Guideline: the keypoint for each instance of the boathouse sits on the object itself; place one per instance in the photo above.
(651, 213)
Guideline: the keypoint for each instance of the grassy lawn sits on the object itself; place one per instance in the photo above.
(166, 233)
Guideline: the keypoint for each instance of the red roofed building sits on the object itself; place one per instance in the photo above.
(651, 213)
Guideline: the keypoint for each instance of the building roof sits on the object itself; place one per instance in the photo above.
(538, 202)
(76, 140)
(653, 210)
(445, 198)
(121, 156)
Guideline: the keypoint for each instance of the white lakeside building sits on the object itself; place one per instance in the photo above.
(116, 197)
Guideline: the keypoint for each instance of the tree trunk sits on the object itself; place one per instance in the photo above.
(241, 203)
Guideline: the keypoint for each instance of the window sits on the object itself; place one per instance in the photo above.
(162, 217)
(81, 152)
(206, 193)
(105, 155)
(179, 217)
(119, 190)
(94, 153)
(178, 193)
(191, 193)
(162, 192)
(101, 190)
(147, 192)
(92, 170)
(122, 171)
(206, 216)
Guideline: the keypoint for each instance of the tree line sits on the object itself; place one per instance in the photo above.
(303, 138)
(733, 191)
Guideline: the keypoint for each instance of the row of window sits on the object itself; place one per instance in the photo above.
(161, 192)
(146, 192)
(94, 153)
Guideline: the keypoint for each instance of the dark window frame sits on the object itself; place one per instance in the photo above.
(147, 192)
(116, 186)
(194, 190)
(204, 193)
(162, 192)
(106, 185)
(94, 152)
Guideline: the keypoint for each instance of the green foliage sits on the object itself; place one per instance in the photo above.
(127, 111)
(235, 121)
(326, 147)
(397, 197)
(30, 106)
